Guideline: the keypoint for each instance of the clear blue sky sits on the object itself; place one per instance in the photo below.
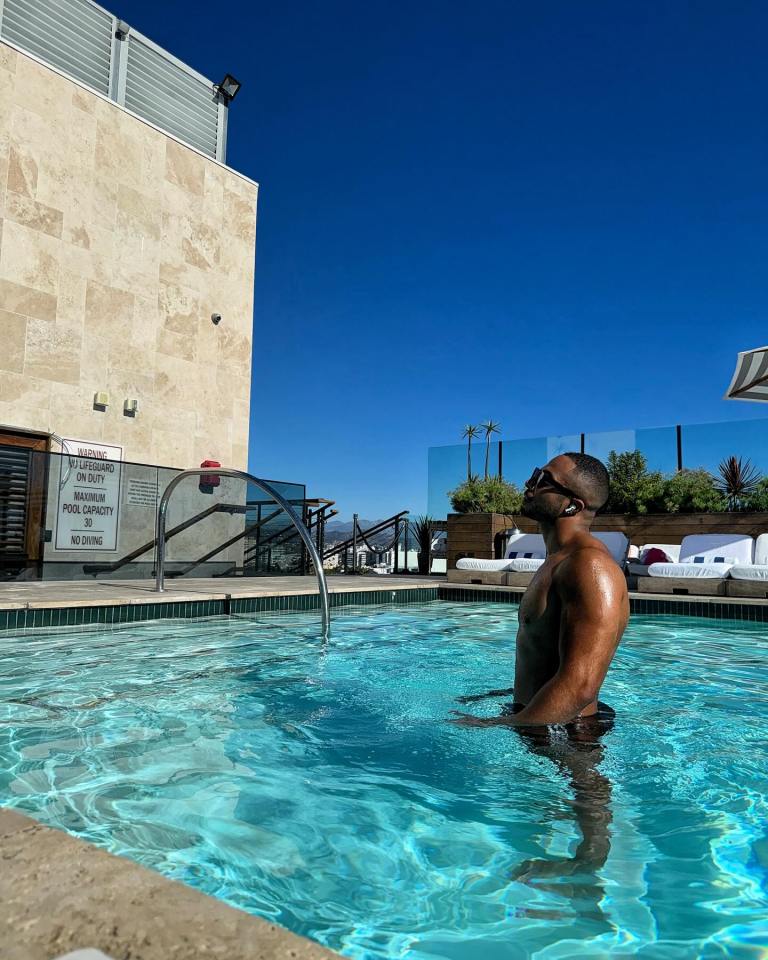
(553, 214)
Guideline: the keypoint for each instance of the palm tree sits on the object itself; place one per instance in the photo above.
(738, 479)
(490, 427)
(469, 434)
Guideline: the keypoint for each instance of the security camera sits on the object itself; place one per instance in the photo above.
(216, 319)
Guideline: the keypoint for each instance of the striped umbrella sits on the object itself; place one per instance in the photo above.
(750, 379)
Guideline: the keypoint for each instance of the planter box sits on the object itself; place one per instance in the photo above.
(757, 589)
(670, 527)
(473, 535)
(497, 578)
(682, 586)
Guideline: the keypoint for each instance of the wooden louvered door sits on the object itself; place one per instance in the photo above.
(22, 502)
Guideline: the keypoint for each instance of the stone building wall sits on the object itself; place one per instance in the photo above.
(117, 243)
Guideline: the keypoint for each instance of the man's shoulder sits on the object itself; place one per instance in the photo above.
(587, 560)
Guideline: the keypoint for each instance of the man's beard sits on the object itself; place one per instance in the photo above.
(536, 512)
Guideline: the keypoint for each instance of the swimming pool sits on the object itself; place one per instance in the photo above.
(321, 788)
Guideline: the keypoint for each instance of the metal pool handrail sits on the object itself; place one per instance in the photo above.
(267, 487)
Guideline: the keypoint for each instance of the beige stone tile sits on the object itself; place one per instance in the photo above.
(30, 213)
(8, 58)
(22, 172)
(24, 416)
(140, 212)
(42, 90)
(71, 303)
(173, 447)
(95, 361)
(74, 414)
(53, 351)
(201, 245)
(7, 93)
(91, 264)
(177, 344)
(108, 310)
(119, 150)
(234, 350)
(31, 303)
(179, 309)
(175, 381)
(240, 456)
(26, 391)
(240, 217)
(182, 273)
(13, 333)
(29, 258)
(184, 167)
(82, 100)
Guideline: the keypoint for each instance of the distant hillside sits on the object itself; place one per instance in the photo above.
(341, 529)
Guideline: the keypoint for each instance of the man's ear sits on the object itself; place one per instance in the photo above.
(575, 506)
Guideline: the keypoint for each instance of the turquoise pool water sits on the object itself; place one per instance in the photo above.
(322, 788)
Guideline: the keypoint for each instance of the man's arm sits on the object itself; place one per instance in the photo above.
(591, 589)
(474, 697)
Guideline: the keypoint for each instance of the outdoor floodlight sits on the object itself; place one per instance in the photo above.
(228, 88)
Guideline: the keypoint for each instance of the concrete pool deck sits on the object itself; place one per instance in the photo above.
(52, 594)
(118, 601)
(60, 894)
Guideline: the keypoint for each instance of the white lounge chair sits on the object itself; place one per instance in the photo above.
(525, 554)
(640, 569)
(751, 579)
(705, 561)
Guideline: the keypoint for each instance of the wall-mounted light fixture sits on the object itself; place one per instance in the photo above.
(228, 89)
(130, 407)
(215, 319)
(122, 29)
(101, 400)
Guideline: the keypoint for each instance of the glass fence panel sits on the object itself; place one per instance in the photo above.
(519, 457)
(659, 447)
(601, 444)
(66, 517)
(708, 444)
(569, 443)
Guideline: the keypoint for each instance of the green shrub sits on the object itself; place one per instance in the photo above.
(692, 491)
(758, 499)
(489, 495)
(633, 488)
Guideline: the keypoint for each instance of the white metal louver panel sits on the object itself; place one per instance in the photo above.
(73, 35)
(169, 96)
(14, 483)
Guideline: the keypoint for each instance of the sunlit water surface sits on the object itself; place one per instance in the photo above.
(321, 786)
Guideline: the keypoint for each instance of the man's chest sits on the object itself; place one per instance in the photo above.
(540, 607)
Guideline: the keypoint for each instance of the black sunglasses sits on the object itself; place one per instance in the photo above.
(540, 474)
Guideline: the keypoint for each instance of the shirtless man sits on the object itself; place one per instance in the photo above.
(575, 610)
(571, 617)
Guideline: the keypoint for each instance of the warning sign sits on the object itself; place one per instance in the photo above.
(89, 496)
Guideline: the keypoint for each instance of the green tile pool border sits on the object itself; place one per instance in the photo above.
(713, 610)
(25, 619)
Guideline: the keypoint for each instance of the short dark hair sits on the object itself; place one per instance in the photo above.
(593, 478)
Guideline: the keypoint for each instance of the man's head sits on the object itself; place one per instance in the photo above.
(570, 485)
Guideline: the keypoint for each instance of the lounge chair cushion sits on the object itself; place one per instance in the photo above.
(476, 563)
(757, 570)
(525, 564)
(707, 556)
(617, 543)
(692, 571)
(749, 571)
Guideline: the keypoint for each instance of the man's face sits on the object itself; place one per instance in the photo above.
(547, 496)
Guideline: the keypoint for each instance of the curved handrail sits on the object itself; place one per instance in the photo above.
(277, 497)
